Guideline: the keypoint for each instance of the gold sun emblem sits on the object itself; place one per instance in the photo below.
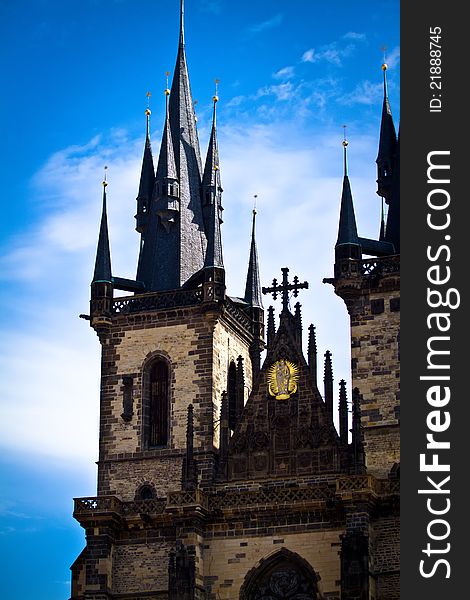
(283, 376)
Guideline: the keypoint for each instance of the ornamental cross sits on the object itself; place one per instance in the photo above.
(285, 287)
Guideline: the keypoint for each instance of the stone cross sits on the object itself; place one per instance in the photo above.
(285, 287)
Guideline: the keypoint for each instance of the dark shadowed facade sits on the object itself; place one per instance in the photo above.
(221, 476)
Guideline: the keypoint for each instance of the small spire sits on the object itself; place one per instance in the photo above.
(212, 190)
(328, 381)
(347, 230)
(357, 441)
(271, 327)
(181, 42)
(166, 166)
(343, 413)
(102, 271)
(312, 353)
(253, 287)
(392, 229)
(189, 478)
(387, 144)
(345, 145)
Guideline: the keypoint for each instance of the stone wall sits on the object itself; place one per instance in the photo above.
(375, 326)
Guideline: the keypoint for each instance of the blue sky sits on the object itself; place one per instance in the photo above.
(75, 76)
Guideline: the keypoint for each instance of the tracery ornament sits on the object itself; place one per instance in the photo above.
(280, 576)
(283, 377)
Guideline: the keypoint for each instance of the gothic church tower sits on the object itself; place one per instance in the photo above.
(221, 477)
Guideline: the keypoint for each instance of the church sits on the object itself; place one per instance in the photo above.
(221, 474)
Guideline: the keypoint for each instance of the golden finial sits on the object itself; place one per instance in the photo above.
(384, 65)
(345, 141)
(105, 182)
(255, 196)
(167, 89)
(148, 112)
(215, 97)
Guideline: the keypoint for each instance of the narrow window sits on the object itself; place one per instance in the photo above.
(158, 404)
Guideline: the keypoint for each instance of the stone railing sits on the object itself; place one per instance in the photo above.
(380, 266)
(367, 483)
(270, 497)
(156, 301)
(346, 486)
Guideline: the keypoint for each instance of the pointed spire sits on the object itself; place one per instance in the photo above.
(240, 389)
(298, 322)
(271, 327)
(382, 223)
(358, 457)
(147, 178)
(212, 190)
(102, 271)
(312, 353)
(347, 244)
(181, 41)
(343, 413)
(166, 167)
(253, 287)
(392, 230)
(189, 479)
(387, 144)
(328, 381)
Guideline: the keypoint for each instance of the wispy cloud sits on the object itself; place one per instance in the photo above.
(211, 6)
(336, 51)
(366, 92)
(393, 58)
(268, 24)
(284, 73)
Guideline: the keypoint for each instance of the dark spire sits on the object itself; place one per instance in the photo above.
(387, 145)
(175, 241)
(358, 457)
(240, 389)
(328, 381)
(253, 287)
(181, 42)
(382, 223)
(147, 180)
(343, 413)
(102, 271)
(312, 353)
(392, 229)
(166, 167)
(298, 322)
(347, 244)
(212, 192)
(192, 238)
(189, 478)
(271, 328)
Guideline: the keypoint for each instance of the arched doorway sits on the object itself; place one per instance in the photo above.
(283, 574)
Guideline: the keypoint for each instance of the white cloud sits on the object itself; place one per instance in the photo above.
(365, 92)
(284, 73)
(50, 358)
(274, 21)
(309, 56)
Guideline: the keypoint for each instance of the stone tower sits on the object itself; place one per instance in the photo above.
(220, 477)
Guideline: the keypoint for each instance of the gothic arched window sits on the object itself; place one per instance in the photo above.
(282, 575)
(157, 400)
(232, 395)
